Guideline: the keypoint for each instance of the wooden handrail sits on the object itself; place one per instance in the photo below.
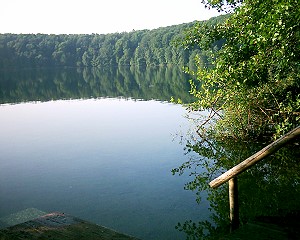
(231, 174)
(263, 153)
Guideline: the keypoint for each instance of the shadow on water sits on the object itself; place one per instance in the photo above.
(159, 83)
(268, 191)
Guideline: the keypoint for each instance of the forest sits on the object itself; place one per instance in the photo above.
(142, 47)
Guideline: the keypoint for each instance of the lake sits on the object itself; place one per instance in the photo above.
(102, 144)
(98, 144)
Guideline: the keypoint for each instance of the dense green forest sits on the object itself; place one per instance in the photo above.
(143, 47)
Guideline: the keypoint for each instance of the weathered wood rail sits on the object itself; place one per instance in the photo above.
(231, 175)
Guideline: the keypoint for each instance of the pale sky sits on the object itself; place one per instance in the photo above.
(96, 16)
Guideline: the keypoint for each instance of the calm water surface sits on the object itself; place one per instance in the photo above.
(106, 160)
(106, 156)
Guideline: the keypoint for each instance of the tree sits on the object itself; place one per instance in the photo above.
(253, 86)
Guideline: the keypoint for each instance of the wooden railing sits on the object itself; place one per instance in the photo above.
(231, 175)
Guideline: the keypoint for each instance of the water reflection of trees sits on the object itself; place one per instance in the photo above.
(270, 188)
(159, 83)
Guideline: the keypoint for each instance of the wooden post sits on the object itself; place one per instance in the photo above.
(233, 204)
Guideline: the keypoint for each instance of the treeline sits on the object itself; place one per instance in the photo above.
(143, 47)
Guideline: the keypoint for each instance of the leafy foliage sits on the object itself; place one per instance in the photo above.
(222, 5)
(252, 88)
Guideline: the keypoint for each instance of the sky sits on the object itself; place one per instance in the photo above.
(97, 16)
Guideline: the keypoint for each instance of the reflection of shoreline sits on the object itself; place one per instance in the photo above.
(160, 83)
(269, 190)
